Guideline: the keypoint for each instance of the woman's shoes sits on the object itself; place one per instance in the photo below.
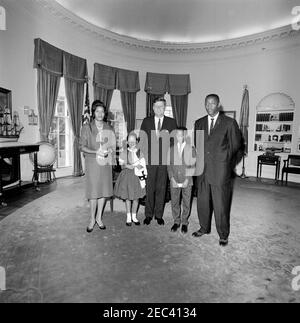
(101, 226)
(90, 229)
(128, 224)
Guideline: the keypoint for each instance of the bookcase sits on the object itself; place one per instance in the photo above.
(274, 128)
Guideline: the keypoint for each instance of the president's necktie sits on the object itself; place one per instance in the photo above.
(158, 128)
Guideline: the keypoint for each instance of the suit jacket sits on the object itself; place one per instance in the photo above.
(220, 149)
(154, 150)
(182, 167)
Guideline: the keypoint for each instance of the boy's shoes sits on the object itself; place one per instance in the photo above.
(175, 227)
(184, 229)
(160, 221)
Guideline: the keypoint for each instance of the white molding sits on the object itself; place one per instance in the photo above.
(165, 47)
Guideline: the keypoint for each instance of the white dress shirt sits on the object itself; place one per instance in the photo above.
(156, 123)
(215, 118)
(181, 147)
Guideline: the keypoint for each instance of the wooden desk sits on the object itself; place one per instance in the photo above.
(15, 150)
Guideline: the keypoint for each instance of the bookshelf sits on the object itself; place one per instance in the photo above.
(274, 128)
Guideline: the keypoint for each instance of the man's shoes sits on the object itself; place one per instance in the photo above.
(175, 227)
(147, 221)
(223, 242)
(199, 234)
(160, 221)
(184, 229)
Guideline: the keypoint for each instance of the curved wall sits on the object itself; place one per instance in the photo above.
(266, 67)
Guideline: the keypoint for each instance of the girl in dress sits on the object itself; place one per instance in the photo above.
(131, 183)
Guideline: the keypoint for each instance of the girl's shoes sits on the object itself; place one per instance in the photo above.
(135, 220)
(137, 223)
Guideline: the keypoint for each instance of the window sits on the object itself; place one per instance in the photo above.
(117, 120)
(61, 134)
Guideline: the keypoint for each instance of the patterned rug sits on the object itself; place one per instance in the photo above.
(49, 257)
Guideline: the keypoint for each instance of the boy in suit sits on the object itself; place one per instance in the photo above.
(181, 168)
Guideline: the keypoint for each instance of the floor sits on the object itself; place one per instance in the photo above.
(49, 257)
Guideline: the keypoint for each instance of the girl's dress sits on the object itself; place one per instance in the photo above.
(128, 185)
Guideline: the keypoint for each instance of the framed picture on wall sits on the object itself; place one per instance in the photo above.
(5, 100)
(230, 114)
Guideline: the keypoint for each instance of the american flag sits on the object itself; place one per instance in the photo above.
(87, 112)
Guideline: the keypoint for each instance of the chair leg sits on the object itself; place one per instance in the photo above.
(286, 178)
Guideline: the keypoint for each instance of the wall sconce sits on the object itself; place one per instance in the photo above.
(2, 18)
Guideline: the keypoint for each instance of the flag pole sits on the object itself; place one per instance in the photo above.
(243, 175)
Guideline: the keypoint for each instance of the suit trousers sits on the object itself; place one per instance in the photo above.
(217, 200)
(186, 204)
(156, 191)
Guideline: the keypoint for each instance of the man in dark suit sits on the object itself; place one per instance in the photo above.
(155, 143)
(222, 142)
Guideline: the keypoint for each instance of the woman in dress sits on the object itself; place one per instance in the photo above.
(131, 183)
(98, 145)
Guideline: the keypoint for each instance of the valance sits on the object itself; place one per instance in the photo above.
(111, 78)
(48, 57)
(75, 68)
(168, 83)
(128, 81)
(58, 62)
(179, 84)
(156, 83)
(105, 76)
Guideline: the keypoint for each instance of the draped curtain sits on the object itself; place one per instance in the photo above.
(47, 88)
(178, 86)
(107, 79)
(53, 63)
(48, 60)
(76, 75)
(179, 106)
(179, 89)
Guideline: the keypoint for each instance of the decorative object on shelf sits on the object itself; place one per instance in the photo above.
(274, 123)
(32, 118)
(10, 126)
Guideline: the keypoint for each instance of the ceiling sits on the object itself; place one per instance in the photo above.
(184, 21)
